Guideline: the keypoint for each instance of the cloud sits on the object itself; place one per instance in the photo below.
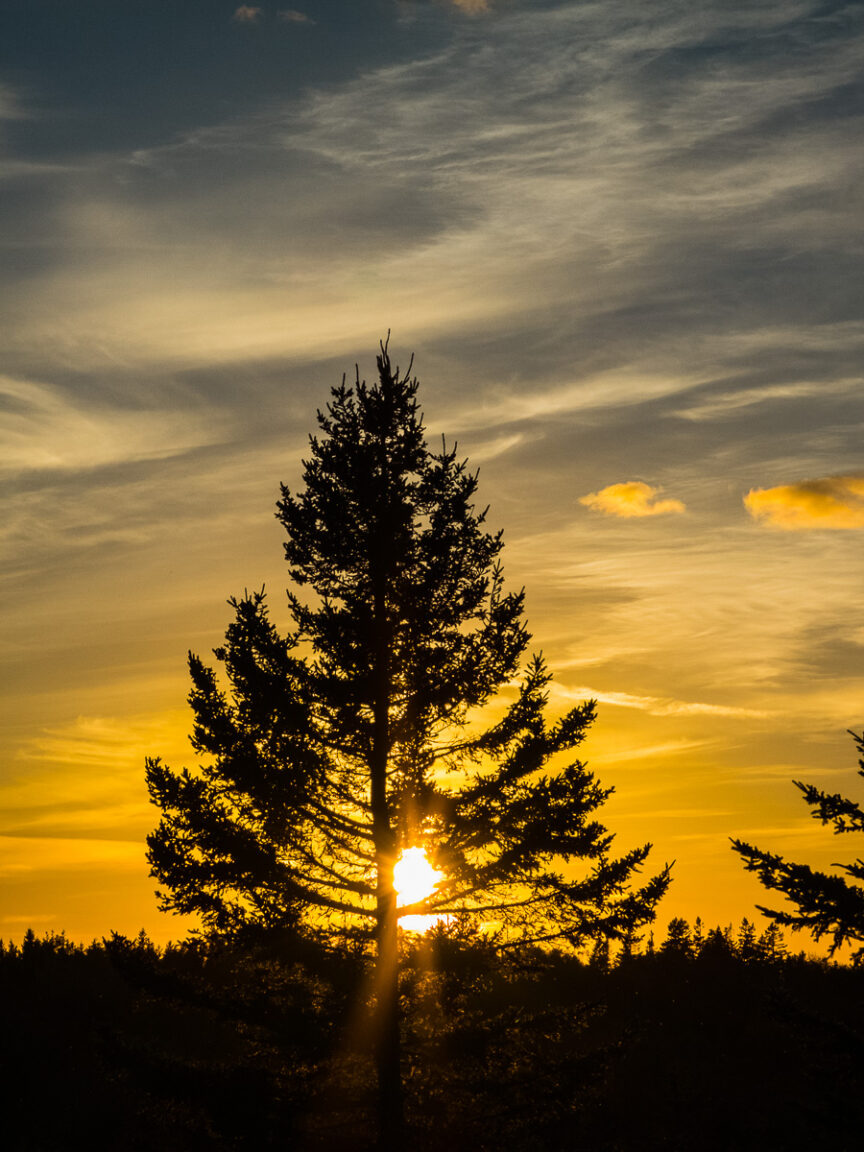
(23, 854)
(292, 16)
(835, 502)
(553, 177)
(728, 404)
(631, 499)
(46, 428)
(657, 705)
(247, 14)
(83, 780)
(472, 6)
(647, 752)
(101, 743)
(10, 105)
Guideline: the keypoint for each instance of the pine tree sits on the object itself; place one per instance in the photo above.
(746, 944)
(719, 944)
(772, 945)
(628, 948)
(678, 941)
(827, 905)
(359, 733)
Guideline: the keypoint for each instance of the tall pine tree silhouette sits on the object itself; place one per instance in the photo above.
(360, 733)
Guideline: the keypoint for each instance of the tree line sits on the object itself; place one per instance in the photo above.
(224, 1045)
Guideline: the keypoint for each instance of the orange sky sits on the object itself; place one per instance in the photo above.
(620, 241)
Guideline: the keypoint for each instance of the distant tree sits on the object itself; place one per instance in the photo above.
(697, 938)
(746, 944)
(600, 958)
(628, 948)
(358, 734)
(827, 905)
(772, 945)
(677, 942)
(719, 944)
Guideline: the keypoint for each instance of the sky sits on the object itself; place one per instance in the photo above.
(623, 242)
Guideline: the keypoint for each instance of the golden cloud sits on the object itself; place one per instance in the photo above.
(835, 502)
(473, 6)
(247, 14)
(292, 16)
(630, 499)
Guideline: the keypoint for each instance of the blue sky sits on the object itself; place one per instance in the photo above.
(624, 243)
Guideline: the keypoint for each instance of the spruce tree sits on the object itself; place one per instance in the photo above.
(746, 944)
(678, 941)
(329, 750)
(827, 904)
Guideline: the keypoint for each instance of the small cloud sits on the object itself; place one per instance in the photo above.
(292, 16)
(246, 14)
(472, 6)
(630, 499)
(835, 502)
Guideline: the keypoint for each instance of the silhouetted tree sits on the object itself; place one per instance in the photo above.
(772, 945)
(357, 734)
(827, 905)
(628, 948)
(677, 940)
(746, 944)
(600, 958)
(719, 944)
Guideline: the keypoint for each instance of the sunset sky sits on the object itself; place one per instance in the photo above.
(624, 243)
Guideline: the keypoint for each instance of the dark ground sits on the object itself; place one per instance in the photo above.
(121, 1046)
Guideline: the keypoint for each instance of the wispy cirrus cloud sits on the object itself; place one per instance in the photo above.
(475, 7)
(45, 428)
(831, 502)
(631, 499)
(617, 236)
(253, 13)
(292, 16)
(657, 706)
(11, 107)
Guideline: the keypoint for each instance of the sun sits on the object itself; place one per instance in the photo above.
(414, 878)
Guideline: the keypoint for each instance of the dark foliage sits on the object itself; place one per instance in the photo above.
(183, 1048)
(726, 1046)
(826, 904)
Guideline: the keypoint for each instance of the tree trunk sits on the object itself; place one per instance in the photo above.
(387, 1043)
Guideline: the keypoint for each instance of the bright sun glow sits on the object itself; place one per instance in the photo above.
(414, 878)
